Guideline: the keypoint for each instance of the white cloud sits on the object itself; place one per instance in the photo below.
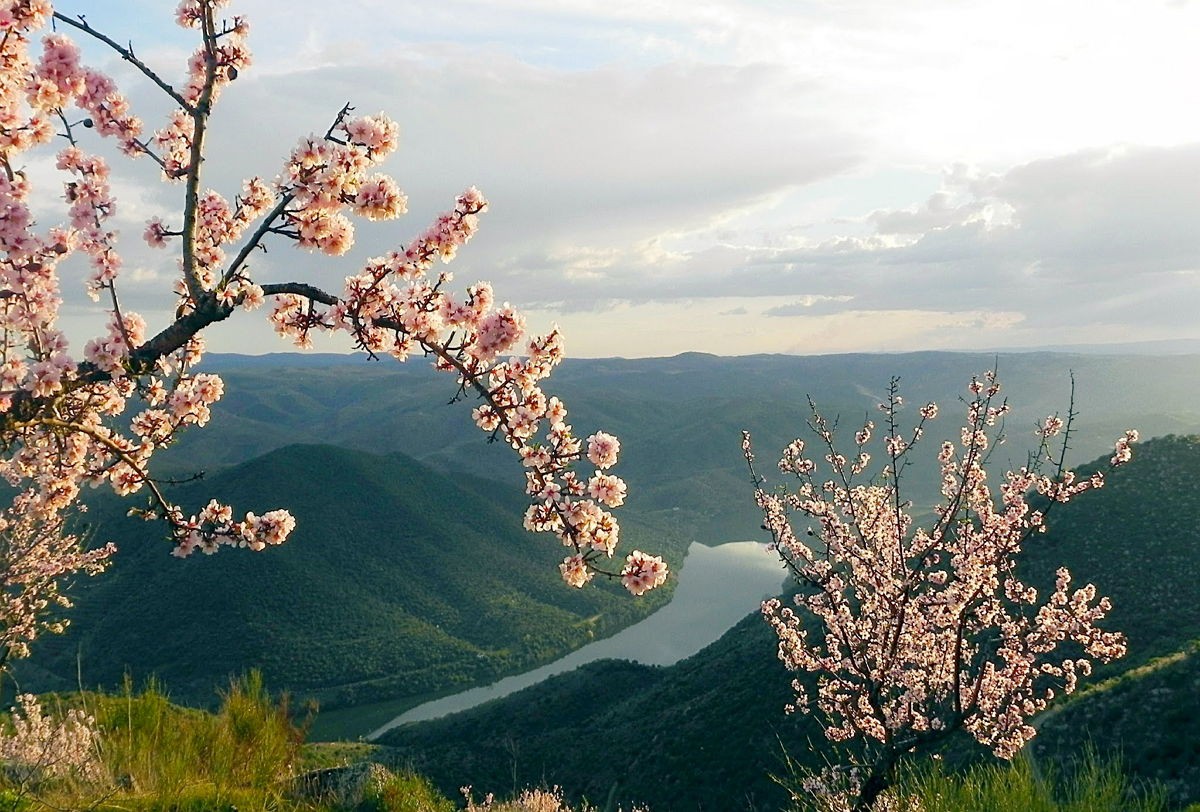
(866, 166)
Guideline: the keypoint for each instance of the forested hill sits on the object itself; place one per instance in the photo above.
(396, 582)
(704, 733)
(1138, 540)
(679, 419)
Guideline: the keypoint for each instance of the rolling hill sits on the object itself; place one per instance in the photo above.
(679, 419)
(406, 580)
(705, 733)
(397, 582)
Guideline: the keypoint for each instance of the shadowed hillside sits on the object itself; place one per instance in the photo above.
(398, 581)
(704, 733)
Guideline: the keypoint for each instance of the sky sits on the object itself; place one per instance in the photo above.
(733, 176)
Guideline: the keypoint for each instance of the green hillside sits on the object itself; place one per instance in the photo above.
(397, 582)
(1146, 717)
(1136, 539)
(679, 419)
(704, 732)
(701, 734)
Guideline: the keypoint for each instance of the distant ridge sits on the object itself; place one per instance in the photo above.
(1176, 346)
(1180, 346)
(680, 418)
(233, 360)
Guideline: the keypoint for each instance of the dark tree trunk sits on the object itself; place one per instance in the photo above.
(879, 779)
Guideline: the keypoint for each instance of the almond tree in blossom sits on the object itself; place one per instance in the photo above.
(96, 417)
(914, 632)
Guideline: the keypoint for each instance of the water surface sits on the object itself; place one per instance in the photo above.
(718, 586)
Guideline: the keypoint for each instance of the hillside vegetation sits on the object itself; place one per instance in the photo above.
(148, 755)
(398, 582)
(704, 732)
(679, 419)
(1137, 540)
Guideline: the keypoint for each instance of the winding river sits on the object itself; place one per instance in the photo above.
(718, 586)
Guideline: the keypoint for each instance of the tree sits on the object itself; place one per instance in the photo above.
(914, 632)
(68, 420)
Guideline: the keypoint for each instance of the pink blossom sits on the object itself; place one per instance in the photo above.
(643, 572)
(926, 629)
(602, 450)
(609, 490)
(378, 198)
(575, 571)
(1051, 426)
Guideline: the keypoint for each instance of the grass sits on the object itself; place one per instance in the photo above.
(1094, 786)
(1089, 783)
(155, 755)
(250, 756)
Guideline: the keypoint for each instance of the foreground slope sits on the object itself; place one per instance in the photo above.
(1138, 541)
(705, 733)
(398, 581)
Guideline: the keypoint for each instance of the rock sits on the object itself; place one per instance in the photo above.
(345, 786)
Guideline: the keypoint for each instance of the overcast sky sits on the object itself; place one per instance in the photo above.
(738, 176)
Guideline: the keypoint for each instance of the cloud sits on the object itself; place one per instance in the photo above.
(1105, 238)
(1122, 211)
(593, 175)
(1099, 240)
(667, 156)
(938, 212)
(809, 306)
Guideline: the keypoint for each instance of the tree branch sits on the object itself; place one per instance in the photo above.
(126, 54)
(256, 238)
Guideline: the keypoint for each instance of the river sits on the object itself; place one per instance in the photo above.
(718, 586)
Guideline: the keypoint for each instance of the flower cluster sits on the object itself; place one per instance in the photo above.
(98, 418)
(215, 525)
(36, 557)
(41, 746)
(924, 630)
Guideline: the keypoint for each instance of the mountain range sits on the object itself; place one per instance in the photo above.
(680, 419)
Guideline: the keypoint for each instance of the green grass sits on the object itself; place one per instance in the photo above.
(250, 742)
(1093, 786)
(1090, 784)
(159, 757)
(248, 756)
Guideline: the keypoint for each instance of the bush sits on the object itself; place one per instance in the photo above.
(407, 792)
(150, 746)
